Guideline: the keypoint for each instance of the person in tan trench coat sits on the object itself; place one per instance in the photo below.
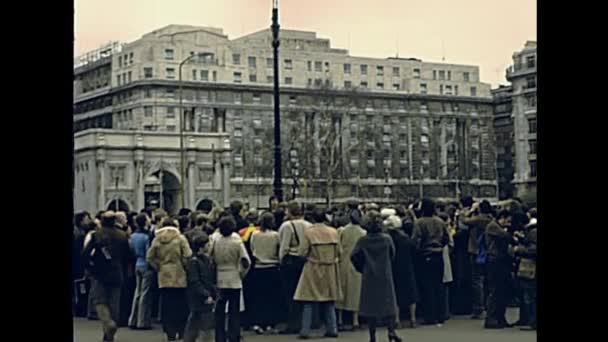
(319, 282)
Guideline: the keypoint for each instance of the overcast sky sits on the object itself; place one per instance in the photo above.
(475, 32)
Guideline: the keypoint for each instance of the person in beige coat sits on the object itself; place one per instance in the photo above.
(350, 279)
(168, 255)
(319, 282)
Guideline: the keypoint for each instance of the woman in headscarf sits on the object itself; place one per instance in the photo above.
(403, 269)
(373, 257)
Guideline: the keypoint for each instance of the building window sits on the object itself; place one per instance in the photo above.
(238, 133)
(131, 58)
(214, 76)
(169, 54)
(531, 125)
(309, 65)
(147, 128)
(269, 63)
(532, 168)
(251, 60)
(448, 90)
(441, 89)
(170, 73)
(288, 64)
(380, 70)
(147, 93)
(449, 75)
(170, 93)
(363, 69)
(326, 66)
(170, 112)
(416, 73)
(205, 75)
(348, 84)
(253, 78)
(288, 80)
(396, 71)
(119, 61)
(364, 85)
(423, 88)
(236, 58)
(147, 72)
(129, 77)
(347, 68)
(171, 128)
(318, 66)
(256, 98)
(434, 74)
(473, 91)
(292, 99)
(237, 77)
(531, 61)
(118, 80)
(318, 82)
(531, 101)
(466, 76)
(148, 112)
(442, 75)
(269, 79)
(455, 90)
(238, 98)
(194, 75)
(380, 85)
(531, 82)
(532, 146)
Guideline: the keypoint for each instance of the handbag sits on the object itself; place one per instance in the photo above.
(527, 269)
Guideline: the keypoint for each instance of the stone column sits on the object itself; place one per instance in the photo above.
(139, 180)
(100, 160)
(226, 172)
(191, 158)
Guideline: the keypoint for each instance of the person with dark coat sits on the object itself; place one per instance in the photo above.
(476, 219)
(235, 211)
(403, 269)
(497, 268)
(430, 236)
(372, 256)
(201, 291)
(461, 298)
(82, 222)
(106, 254)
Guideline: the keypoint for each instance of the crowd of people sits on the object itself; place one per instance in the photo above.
(301, 267)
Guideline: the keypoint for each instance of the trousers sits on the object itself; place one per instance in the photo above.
(290, 275)
(478, 275)
(141, 309)
(328, 310)
(498, 275)
(233, 298)
(528, 288)
(433, 288)
(174, 311)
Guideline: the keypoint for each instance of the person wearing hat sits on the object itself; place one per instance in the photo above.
(403, 269)
(350, 279)
(372, 257)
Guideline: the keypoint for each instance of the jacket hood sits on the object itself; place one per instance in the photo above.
(167, 234)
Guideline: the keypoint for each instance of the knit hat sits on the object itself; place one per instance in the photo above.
(392, 222)
(386, 212)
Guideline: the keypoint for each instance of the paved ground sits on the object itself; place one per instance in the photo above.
(456, 329)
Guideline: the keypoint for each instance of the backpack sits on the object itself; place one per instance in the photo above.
(98, 261)
(483, 250)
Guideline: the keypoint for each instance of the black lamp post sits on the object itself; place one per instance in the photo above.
(278, 181)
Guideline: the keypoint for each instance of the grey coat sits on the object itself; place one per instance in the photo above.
(373, 257)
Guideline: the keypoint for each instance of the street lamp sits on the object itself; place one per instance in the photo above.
(278, 182)
(182, 124)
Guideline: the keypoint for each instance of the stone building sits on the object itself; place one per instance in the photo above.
(522, 75)
(379, 129)
(503, 131)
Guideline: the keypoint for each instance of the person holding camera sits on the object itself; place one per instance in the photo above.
(525, 250)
